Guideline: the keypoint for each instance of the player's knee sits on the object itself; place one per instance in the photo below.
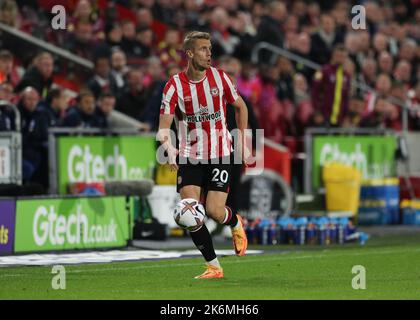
(215, 211)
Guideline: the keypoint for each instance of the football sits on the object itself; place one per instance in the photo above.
(189, 214)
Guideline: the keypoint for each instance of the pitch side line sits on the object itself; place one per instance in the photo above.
(281, 257)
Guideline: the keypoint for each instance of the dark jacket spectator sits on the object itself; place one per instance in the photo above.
(323, 41)
(103, 80)
(106, 104)
(134, 98)
(129, 43)
(83, 115)
(81, 41)
(54, 106)
(270, 28)
(39, 76)
(34, 130)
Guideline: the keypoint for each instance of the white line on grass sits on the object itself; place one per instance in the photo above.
(278, 258)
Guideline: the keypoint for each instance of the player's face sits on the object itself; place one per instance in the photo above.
(201, 55)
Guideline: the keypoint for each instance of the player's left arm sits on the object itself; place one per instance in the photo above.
(241, 114)
(241, 117)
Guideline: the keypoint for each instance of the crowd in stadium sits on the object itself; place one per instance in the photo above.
(136, 45)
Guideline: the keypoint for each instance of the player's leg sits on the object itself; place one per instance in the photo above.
(189, 186)
(218, 178)
(217, 209)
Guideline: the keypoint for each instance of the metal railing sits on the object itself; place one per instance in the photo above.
(315, 66)
(11, 150)
(47, 46)
(4, 103)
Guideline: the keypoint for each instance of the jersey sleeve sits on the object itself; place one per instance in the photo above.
(169, 98)
(229, 89)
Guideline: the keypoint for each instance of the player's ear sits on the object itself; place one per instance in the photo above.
(189, 54)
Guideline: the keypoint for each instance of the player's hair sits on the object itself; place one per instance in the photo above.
(190, 38)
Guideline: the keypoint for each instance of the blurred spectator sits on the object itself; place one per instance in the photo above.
(324, 40)
(270, 28)
(232, 67)
(155, 91)
(380, 43)
(368, 72)
(81, 41)
(55, 106)
(145, 36)
(155, 72)
(223, 42)
(170, 49)
(7, 72)
(83, 114)
(243, 27)
(106, 104)
(384, 115)
(133, 100)
(302, 103)
(385, 63)
(9, 13)
(331, 88)
(144, 17)
(247, 81)
(88, 14)
(285, 79)
(103, 80)
(113, 36)
(383, 87)
(129, 44)
(34, 138)
(415, 111)
(267, 107)
(39, 75)
(402, 73)
(356, 112)
(119, 69)
(302, 47)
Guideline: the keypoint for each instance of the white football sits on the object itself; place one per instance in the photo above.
(189, 214)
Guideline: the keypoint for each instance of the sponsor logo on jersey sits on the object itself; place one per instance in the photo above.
(204, 118)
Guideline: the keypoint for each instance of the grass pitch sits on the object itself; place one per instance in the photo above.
(285, 272)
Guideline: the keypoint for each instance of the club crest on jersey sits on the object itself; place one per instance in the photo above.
(214, 91)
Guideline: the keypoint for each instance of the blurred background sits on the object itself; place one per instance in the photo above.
(80, 105)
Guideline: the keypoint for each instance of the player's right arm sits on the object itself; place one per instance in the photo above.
(167, 111)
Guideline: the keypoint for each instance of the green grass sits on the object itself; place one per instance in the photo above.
(288, 272)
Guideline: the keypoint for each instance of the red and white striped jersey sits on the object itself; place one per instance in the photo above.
(200, 113)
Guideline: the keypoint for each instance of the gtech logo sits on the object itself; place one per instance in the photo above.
(75, 228)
